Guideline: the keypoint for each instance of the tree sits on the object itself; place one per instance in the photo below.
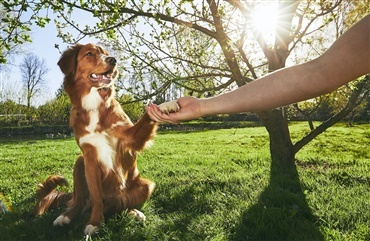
(17, 17)
(10, 90)
(33, 70)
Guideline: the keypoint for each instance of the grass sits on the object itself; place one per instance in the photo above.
(211, 185)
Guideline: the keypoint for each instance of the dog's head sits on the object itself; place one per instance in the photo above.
(88, 63)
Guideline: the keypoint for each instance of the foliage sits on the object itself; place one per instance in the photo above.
(17, 17)
(53, 112)
(211, 185)
(11, 113)
(322, 107)
(56, 111)
(133, 109)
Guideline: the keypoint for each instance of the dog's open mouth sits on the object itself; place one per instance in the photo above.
(105, 78)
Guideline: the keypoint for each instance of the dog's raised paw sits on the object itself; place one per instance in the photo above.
(168, 107)
(137, 214)
(61, 220)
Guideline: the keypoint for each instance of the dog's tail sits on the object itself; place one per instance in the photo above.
(48, 197)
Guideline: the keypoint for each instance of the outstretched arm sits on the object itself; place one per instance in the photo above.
(347, 59)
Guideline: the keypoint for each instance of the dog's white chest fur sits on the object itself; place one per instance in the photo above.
(92, 100)
(101, 141)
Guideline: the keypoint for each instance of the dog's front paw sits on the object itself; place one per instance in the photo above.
(137, 214)
(90, 230)
(168, 107)
(61, 220)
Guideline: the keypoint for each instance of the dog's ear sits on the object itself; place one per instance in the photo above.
(68, 61)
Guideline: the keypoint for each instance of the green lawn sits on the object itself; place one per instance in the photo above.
(211, 185)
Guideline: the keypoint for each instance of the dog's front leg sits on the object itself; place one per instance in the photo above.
(94, 175)
(141, 133)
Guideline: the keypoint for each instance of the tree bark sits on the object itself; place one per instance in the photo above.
(281, 146)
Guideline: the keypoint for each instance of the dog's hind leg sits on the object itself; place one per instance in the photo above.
(80, 195)
(138, 191)
(133, 196)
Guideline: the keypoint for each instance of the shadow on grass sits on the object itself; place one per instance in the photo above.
(281, 212)
(180, 212)
(23, 225)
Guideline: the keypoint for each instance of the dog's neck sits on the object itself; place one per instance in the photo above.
(96, 98)
(107, 94)
(105, 89)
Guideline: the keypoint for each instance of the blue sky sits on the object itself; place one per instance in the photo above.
(43, 41)
(43, 45)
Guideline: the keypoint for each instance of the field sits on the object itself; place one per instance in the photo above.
(211, 185)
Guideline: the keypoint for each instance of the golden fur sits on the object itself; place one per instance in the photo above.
(106, 178)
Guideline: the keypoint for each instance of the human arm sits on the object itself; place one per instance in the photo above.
(346, 60)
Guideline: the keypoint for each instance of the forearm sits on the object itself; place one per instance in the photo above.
(280, 88)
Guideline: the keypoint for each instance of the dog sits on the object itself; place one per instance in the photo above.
(106, 178)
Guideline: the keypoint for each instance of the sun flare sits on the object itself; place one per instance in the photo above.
(264, 17)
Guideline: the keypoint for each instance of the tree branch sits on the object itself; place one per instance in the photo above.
(357, 96)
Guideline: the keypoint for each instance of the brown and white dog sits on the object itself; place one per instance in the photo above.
(106, 177)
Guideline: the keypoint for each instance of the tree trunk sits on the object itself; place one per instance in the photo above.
(281, 146)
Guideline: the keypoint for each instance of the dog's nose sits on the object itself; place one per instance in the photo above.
(111, 60)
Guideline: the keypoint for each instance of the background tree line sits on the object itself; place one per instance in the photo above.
(56, 111)
(53, 112)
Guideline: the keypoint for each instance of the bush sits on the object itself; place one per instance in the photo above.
(55, 111)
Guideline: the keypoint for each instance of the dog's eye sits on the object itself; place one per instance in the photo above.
(89, 54)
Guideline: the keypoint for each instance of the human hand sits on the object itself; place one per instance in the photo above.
(189, 109)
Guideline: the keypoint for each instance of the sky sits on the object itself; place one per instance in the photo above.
(43, 42)
(43, 46)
